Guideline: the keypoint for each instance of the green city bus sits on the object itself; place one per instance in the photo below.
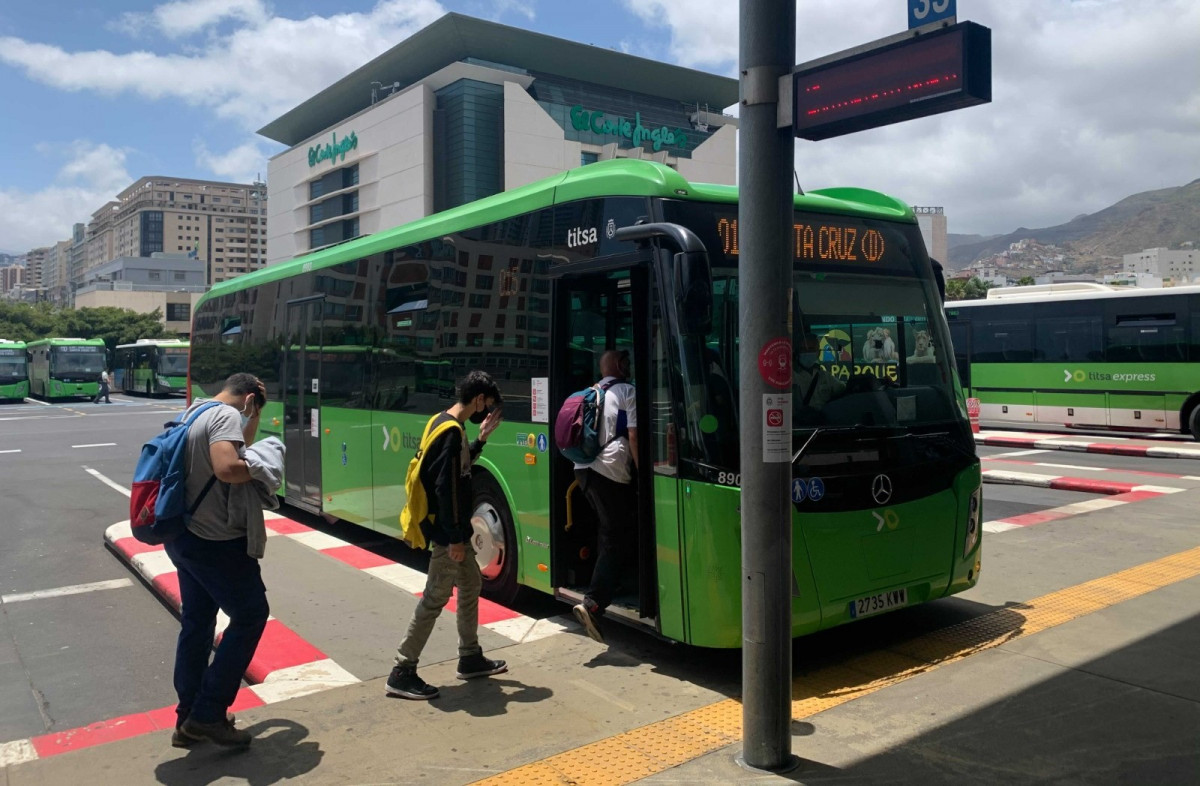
(532, 285)
(1082, 354)
(14, 370)
(150, 366)
(66, 367)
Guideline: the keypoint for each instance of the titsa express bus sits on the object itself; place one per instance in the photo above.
(532, 285)
(1083, 354)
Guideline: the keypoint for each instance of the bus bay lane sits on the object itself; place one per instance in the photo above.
(1073, 658)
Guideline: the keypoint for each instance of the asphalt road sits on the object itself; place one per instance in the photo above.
(67, 660)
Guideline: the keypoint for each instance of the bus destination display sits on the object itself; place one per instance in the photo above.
(11, 352)
(819, 241)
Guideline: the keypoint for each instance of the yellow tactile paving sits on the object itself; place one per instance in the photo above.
(658, 746)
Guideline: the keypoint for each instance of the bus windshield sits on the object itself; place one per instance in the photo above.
(173, 362)
(76, 361)
(12, 367)
(868, 342)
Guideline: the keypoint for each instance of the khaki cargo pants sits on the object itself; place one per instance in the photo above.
(444, 575)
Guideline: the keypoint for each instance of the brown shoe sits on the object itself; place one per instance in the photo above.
(221, 733)
(181, 740)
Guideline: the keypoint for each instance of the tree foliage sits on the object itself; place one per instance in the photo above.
(967, 289)
(29, 322)
(1025, 281)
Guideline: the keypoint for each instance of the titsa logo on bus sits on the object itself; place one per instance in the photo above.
(581, 236)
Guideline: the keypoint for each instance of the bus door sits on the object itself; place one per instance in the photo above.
(300, 378)
(960, 337)
(596, 312)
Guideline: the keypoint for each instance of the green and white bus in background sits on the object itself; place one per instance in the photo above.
(66, 367)
(532, 285)
(14, 370)
(1081, 354)
(151, 366)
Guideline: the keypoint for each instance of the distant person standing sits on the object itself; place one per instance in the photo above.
(102, 391)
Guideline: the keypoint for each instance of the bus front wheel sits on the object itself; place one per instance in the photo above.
(495, 541)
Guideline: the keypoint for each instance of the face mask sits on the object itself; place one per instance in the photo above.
(245, 417)
(479, 417)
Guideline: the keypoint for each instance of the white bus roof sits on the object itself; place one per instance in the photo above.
(157, 342)
(1049, 293)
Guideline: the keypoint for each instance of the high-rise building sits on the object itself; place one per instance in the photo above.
(932, 221)
(223, 224)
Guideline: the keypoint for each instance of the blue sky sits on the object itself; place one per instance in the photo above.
(1093, 99)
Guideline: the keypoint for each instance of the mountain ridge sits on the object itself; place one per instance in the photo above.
(1164, 217)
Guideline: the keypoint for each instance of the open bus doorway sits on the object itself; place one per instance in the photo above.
(598, 312)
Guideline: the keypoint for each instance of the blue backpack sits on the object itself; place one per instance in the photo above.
(577, 425)
(158, 510)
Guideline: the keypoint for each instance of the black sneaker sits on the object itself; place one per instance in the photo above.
(181, 740)
(478, 666)
(586, 614)
(221, 733)
(403, 681)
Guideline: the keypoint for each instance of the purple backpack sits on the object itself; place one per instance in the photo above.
(577, 425)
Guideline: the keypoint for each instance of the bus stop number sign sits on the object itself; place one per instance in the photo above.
(924, 12)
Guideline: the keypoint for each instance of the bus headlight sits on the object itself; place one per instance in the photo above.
(973, 523)
(161, 380)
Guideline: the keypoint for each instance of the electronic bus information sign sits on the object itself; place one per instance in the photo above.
(935, 72)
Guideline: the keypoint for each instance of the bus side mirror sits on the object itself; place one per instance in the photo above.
(693, 285)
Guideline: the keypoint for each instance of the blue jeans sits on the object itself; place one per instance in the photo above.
(215, 574)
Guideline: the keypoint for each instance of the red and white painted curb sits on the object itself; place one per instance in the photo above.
(504, 621)
(284, 666)
(1114, 446)
(1063, 483)
(1114, 499)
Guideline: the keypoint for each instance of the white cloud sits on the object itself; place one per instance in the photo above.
(263, 67)
(91, 175)
(243, 164)
(188, 17)
(1091, 102)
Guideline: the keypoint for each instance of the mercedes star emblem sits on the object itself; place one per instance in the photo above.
(881, 489)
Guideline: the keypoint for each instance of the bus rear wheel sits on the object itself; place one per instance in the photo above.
(1194, 422)
(495, 541)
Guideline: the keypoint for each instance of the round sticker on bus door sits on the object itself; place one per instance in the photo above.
(775, 363)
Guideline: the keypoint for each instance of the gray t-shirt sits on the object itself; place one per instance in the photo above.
(211, 520)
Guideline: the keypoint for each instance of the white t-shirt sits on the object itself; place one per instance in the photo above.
(615, 462)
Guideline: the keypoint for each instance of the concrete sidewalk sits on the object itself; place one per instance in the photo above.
(1072, 661)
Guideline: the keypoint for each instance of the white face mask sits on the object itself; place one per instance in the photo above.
(246, 418)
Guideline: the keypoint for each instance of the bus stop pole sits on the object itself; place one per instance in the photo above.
(765, 163)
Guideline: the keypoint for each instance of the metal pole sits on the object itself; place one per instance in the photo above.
(765, 161)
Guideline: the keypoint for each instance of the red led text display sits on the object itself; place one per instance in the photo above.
(936, 72)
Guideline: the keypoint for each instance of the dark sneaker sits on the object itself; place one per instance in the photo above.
(478, 666)
(586, 614)
(404, 681)
(181, 740)
(221, 733)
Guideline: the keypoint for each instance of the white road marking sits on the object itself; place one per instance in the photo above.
(77, 589)
(97, 445)
(107, 482)
(35, 401)
(1014, 453)
(18, 450)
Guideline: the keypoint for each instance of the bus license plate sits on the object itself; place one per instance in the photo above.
(874, 604)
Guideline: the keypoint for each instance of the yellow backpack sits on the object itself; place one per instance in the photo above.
(416, 507)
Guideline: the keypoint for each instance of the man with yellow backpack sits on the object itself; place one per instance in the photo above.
(438, 514)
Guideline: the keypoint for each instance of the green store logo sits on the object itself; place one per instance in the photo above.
(597, 123)
(330, 151)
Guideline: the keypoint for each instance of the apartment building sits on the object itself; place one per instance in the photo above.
(222, 224)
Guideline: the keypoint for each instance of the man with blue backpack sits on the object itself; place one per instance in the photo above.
(216, 570)
(608, 483)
